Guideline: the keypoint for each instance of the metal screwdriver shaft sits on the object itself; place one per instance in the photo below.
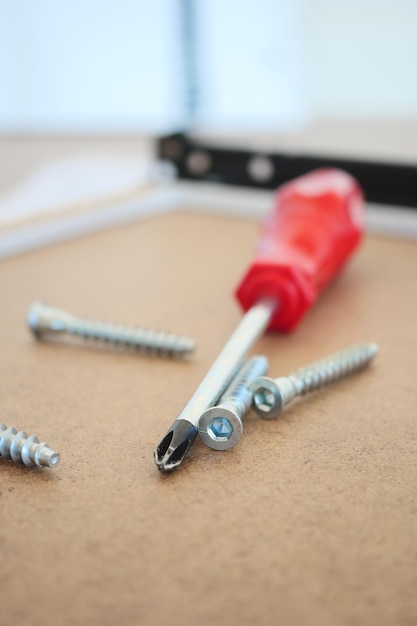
(220, 427)
(46, 321)
(21, 448)
(176, 443)
(270, 396)
(316, 224)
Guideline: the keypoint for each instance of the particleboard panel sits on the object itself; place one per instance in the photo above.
(310, 520)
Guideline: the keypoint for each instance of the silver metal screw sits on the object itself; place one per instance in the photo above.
(21, 448)
(47, 321)
(175, 445)
(270, 395)
(220, 427)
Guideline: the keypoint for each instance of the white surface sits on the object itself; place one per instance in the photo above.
(249, 64)
(90, 65)
(210, 198)
(70, 182)
(32, 237)
(111, 67)
(360, 58)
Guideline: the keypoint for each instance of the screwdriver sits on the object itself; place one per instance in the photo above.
(316, 224)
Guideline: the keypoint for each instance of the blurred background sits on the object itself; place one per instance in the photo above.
(138, 66)
(103, 78)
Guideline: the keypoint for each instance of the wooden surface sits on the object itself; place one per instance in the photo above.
(310, 520)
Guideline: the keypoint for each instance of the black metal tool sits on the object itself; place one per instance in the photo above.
(385, 183)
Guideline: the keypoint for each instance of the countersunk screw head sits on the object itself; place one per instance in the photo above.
(220, 428)
(266, 397)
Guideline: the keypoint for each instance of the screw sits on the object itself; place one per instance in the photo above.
(21, 448)
(220, 427)
(173, 448)
(44, 320)
(270, 396)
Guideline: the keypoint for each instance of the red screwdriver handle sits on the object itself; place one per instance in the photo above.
(316, 224)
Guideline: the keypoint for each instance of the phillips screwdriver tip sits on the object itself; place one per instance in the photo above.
(173, 448)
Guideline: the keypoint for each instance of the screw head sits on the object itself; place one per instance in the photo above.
(266, 397)
(220, 428)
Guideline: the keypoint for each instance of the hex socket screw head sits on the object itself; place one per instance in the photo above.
(220, 427)
(271, 395)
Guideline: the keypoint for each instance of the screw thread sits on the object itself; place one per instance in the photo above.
(220, 427)
(271, 395)
(131, 337)
(21, 448)
(330, 369)
(237, 396)
(45, 320)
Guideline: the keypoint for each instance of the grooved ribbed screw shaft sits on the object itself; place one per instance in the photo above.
(220, 427)
(21, 448)
(44, 320)
(270, 396)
